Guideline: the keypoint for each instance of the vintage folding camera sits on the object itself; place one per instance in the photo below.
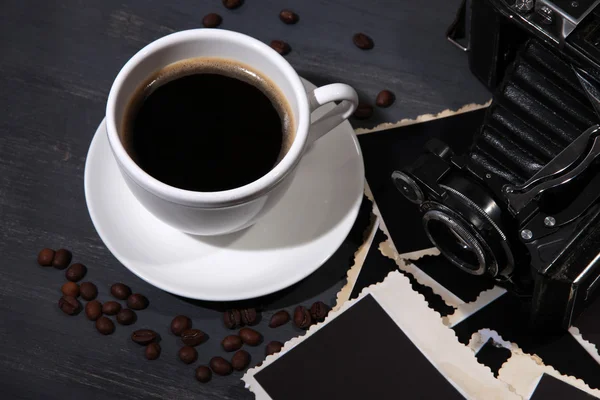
(523, 205)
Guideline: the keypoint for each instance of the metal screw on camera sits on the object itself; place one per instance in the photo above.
(524, 6)
(526, 234)
(549, 221)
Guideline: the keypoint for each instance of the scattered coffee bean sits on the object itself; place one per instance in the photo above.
(232, 343)
(273, 347)
(105, 326)
(231, 4)
(62, 259)
(69, 305)
(179, 324)
(93, 310)
(281, 47)
(385, 98)
(111, 308)
(212, 20)
(220, 366)
(363, 41)
(137, 301)
(279, 318)
(250, 337)
(153, 351)
(120, 291)
(144, 336)
(203, 374)
(70, 289)
(232, 319)
(249, 316)
(126, 316)
(288, 17)
(188, 354)
(192, 337)
(318, 311)
(302, 318)
(76, 272)
(45, 257)
(88, 291)
(240, 360)
(363, 111)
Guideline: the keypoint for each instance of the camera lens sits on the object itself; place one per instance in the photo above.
(457, 242)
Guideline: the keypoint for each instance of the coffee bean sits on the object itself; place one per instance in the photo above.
(192, 337)
(385, 98)
(120, 291)
(318, 311)
(249, 316)
(93, 310)
(288, 17)
(76, 272)
(363, 111)
(250, 336)
(232, 319)
(69, 305)
(105, 326)
(144, 336)
(232, 343)
(179, 324)
(281, 47)
(62, 259)
(88, 291)
(70, 289)
(302, 318)
(279, 318)
(220, 366)
(212, 20)
(203, 374)
(363, 41)
(45, 257)
(273, 347)
(231, 4)
(240, 360)
(126, 316)
(111, 308)
(153, 351)
(137, 301)
(188, 354)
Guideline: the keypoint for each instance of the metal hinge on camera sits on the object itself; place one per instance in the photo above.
(566, 166)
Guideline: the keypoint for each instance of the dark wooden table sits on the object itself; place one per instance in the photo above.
(58, 61)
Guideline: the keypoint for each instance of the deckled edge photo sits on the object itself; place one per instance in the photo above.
(424, 327)
(359, 257)
(588, 346)
(422, 118)
(522, 372)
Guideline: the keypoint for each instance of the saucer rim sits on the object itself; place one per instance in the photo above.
(256, 291)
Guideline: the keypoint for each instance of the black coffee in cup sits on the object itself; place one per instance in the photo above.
(207, 124)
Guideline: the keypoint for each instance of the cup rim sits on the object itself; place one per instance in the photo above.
(225, 198)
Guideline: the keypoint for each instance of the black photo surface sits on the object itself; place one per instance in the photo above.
(552, 388)
(361, 354)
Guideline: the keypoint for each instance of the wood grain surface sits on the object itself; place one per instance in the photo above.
(58, 61)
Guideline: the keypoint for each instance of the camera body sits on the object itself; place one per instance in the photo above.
(523, 206)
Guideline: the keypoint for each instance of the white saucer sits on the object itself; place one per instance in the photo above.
(294, 239)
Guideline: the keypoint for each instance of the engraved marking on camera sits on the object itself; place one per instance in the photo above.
(524, 6)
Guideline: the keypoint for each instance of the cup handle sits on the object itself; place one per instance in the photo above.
(326, 94)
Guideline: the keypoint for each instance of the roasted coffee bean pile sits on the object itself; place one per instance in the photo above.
(181, 326)
(88, 291)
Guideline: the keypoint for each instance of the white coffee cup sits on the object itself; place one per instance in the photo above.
(215, 213)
